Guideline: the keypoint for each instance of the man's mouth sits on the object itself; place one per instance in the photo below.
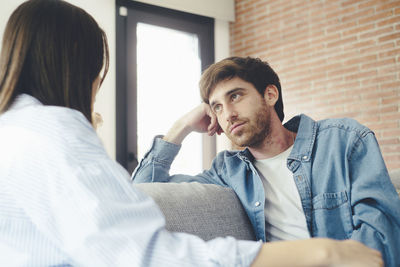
(236, 127)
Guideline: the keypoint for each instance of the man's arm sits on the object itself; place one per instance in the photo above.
(155, 165)
(317, 252)
(375, 202)
(201, 119)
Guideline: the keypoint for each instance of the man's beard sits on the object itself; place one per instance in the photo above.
(256, 132)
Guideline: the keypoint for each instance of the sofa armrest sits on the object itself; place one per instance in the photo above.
(205, 210)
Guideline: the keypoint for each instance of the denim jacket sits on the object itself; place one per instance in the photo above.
(344, 186)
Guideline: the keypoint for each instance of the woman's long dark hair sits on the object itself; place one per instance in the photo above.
(53, 51)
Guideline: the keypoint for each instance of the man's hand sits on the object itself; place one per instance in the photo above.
(355, 254)
(201, 119)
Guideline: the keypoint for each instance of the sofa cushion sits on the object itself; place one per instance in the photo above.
(205, 210)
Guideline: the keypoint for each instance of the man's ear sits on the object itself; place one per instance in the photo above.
(271, 95)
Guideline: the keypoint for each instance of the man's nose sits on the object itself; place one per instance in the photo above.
(230, 113)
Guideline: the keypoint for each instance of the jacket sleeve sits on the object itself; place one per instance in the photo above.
(374, 200)
(155, 166)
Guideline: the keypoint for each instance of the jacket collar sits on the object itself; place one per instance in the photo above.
(245, 155)
(306, 129)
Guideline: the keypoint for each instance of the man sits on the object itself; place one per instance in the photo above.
(298, 180)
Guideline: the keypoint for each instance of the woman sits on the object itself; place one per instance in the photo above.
(63, 201)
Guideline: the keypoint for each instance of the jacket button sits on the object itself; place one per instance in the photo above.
(305, 157)
(257, 204)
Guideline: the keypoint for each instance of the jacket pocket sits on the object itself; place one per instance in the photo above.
(329, 200)
(331, 215)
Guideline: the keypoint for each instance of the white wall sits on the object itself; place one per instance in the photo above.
(6, 8)
(104, 13)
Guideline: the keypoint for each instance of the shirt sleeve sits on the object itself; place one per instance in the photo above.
(156, 164)
(375, 202)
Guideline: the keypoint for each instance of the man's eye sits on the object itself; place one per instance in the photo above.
(217, 108)
(234, 96)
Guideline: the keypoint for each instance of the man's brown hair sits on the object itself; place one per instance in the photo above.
(252, 70)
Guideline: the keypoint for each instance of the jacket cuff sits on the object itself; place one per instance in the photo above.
(163, 151)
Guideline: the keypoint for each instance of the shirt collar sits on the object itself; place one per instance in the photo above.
(24, 100)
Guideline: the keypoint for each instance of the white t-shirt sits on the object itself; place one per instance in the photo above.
(284, 215)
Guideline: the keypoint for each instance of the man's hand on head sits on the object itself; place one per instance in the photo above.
(209, 122)
(200, 119)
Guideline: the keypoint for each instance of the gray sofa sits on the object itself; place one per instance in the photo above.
(206, 210)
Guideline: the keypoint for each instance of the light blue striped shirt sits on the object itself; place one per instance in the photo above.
(63, 201)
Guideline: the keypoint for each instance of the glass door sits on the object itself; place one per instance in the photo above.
(168, 71)
(160, 56)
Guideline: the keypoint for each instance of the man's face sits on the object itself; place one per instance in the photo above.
(242, 112)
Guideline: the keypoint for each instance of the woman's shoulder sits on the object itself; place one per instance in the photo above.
(33, 116)
(58, 127)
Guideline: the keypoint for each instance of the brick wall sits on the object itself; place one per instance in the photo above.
(335, 58)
